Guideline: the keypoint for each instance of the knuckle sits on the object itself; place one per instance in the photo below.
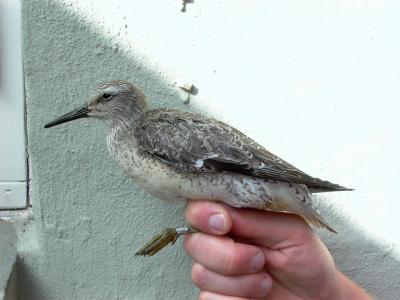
(204, 295)
(191, 244)
(199, 275)
(232, 262)
(191, 218)
(190, 211)
(283, 262)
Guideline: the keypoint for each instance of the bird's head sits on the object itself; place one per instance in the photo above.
(115, 101)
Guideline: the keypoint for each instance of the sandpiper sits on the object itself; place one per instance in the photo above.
(174, 154)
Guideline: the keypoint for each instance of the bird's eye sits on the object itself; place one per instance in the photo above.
(106, 96)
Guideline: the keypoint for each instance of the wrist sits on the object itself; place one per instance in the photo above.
(346, 289)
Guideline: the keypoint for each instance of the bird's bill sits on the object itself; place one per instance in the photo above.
(81, 112)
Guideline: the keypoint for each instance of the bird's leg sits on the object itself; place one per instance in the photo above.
(168, 235)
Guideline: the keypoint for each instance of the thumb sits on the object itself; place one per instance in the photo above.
(208, 217)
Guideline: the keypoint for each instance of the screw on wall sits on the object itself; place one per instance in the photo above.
(184, 2)
(190, 89)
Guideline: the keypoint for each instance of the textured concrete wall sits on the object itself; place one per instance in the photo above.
(89, 218)
(8, 254)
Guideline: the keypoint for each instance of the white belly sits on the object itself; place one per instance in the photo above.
(166, 182)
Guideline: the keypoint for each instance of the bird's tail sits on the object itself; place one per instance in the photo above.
(320, 186)
(297, 200)
(307, 210)
(315, 220)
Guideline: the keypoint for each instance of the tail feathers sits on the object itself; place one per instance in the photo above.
(322, 186)
(307, 210)
(299, 202)
(296, 199)
(310, 213)
(327, 190)
(304, 210)
(315, 220)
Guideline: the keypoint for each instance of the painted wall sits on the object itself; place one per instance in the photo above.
(314, 82)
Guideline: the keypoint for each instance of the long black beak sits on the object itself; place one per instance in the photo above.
(81, 112)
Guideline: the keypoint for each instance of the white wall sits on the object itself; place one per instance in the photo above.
(316, 82)
(12, 132)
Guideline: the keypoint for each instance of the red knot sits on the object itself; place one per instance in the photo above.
(174, 154)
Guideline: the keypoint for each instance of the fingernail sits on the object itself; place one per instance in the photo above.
(217, 222)
(265, 286)
(257, 262)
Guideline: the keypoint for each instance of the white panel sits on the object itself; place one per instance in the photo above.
(12, 195)
(12, 136)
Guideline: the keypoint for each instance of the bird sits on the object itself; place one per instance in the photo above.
(179, 155)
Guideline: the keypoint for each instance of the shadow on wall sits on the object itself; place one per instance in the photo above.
(90, 219)
(373, 265)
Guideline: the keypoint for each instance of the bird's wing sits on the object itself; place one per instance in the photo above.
(196, 143)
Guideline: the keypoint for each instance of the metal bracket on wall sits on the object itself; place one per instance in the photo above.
(184, 2)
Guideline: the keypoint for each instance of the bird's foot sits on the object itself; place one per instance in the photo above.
(168, 235)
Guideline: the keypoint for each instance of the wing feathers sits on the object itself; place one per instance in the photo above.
(193, 142)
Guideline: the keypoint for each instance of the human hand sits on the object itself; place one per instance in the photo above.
(244, 253)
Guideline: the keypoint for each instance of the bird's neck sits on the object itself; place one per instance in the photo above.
(125, 118)
(119, 127)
